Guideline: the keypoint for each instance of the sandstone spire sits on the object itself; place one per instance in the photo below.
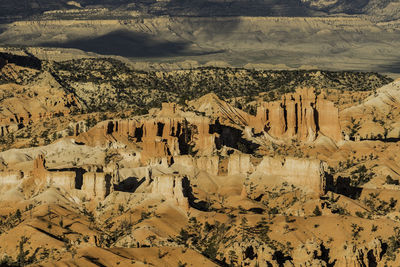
(301, 115)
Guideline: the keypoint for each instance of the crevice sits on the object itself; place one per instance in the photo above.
(138, 134)
(296, 113)
(285, 117)
(160, 128)
(110, 127)
(371, 259)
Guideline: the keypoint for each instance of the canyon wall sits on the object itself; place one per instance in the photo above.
(172, 132)
(190, 164)
(65, 179)
(239, 164)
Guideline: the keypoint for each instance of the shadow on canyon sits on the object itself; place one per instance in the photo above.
(29, 61)
(392, 67)
(132, 45)
(342, 186)
(129, 185)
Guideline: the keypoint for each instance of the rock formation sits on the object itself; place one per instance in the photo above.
(94, 184)
(303, 173)
(64, 179)
(191, 164)
(169, 134)
(39, 169)
(170, 186)
(306, 174)
(302, 115)
(365, 255)
(20, 112)
(276, 189)
(97, 184)
(10, 179)
(239, 164)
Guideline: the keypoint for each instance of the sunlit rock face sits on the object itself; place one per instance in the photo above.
(302, 115)
(170, 186)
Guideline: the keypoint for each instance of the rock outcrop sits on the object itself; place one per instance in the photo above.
(308, 175)
(240, 164)
(302, 115)
(171, 187)
(94, 184)
(212, 106)
(97, 184)
(29, 95)
(192, 164)
(167, 135)
(64, 179)
(21, 111)
(39, 169)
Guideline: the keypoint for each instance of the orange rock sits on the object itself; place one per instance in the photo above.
(328, 119)
(301, 115)
(39, 169)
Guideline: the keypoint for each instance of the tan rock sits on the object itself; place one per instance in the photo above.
(170, 186)
(306, 174)
(239, 164)
(328, 119)
(65, 179)
(10, 178)
(39, 169)
(97, 184)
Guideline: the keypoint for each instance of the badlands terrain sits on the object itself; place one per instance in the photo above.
(104, 164)
(199, 133)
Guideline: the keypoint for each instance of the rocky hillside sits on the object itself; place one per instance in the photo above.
(121, 86)
(38, 97)
(295, 8)
(382, 10)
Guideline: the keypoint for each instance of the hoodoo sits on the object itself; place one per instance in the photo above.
(302, 115)
(94, 165)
